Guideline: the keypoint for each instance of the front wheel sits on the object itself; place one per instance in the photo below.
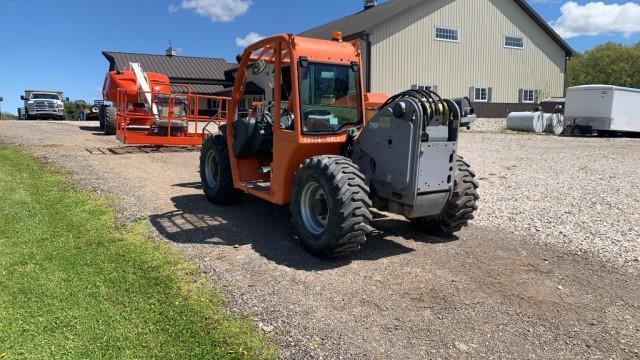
(110, 121)
(330, 206)
(215, 172)
(460, 208)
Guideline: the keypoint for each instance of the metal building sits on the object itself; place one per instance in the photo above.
(500, 53)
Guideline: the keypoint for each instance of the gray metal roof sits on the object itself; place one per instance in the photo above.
(198, 88)
(355, 24)
(174, 66)
(204, 75)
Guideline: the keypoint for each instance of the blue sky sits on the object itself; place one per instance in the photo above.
(57, 44)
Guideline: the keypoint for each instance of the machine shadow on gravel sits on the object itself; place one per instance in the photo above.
(267, 229)
(95, 130)
(405, 229)
(190, 185)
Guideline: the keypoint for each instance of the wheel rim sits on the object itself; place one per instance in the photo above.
(314, 208)
(211, 169)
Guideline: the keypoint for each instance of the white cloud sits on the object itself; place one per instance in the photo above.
(595, 18)
(216, 10)
(249, 39)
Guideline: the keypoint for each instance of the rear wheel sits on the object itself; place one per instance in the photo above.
(101, 117)
(110, 121)
(460, 208)
(330, 206)
(215, 172)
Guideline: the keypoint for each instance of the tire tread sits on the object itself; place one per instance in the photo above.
(351, 192)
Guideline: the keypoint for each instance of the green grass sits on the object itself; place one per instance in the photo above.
(74, 285)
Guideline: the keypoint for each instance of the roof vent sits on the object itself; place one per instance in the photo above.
(368, 4)
(170, 50)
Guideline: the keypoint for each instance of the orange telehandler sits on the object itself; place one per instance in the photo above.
(297, 133)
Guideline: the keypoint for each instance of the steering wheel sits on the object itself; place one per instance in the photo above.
(266, 119)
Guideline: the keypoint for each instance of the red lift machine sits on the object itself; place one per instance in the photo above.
(146, 109)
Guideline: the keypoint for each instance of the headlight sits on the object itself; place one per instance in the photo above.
(60, 106)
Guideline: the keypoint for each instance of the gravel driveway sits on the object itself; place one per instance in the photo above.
(548, 269)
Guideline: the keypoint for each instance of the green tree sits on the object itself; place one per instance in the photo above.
(71, 109)
(610, 64)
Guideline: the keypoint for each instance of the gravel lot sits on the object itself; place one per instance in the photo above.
(548, 269)
(581, 194)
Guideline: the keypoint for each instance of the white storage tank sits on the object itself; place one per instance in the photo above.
(548, 118)
(557, 124)
(602, 108)
(526, 121)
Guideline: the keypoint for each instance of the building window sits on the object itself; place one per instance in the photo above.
(481, 94)
(447, 34)
(433, 88)
(528, 96)
(514, 42)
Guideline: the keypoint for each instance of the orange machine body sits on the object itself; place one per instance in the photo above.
(126, 80)
(290, 148)
(373, 102)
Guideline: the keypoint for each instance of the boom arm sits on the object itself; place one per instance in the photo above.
(145, 87)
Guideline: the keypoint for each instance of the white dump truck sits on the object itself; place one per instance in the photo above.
(43, 104)
(604, 109)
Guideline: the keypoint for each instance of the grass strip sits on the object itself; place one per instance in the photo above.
(74, 285)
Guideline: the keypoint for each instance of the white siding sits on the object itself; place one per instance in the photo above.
(404, 51)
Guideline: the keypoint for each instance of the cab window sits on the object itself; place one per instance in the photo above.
(329, 97)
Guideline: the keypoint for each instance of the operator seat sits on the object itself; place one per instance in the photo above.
(252, 135)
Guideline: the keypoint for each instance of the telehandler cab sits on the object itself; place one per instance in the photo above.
(297, 132)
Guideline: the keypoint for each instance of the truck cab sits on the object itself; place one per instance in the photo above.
(42, 104)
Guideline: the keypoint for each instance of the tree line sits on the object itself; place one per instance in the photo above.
(609, 64)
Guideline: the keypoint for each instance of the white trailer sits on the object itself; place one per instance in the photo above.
(602, 108)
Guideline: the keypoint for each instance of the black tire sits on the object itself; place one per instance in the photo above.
(215, 172)
(344, 210)
(101, 117)
(110, 121)
(460, 208)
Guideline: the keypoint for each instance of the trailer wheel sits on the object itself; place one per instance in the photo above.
(460, 208)
(330, 207)
(110, 121)
(215, 172)
(101, 116)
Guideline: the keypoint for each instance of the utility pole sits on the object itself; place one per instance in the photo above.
(1, 99)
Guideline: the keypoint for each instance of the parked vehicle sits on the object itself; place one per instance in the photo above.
(43, 104)
(603, 109)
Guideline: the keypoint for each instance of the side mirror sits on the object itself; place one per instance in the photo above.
(66, 99)
(22, 98)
